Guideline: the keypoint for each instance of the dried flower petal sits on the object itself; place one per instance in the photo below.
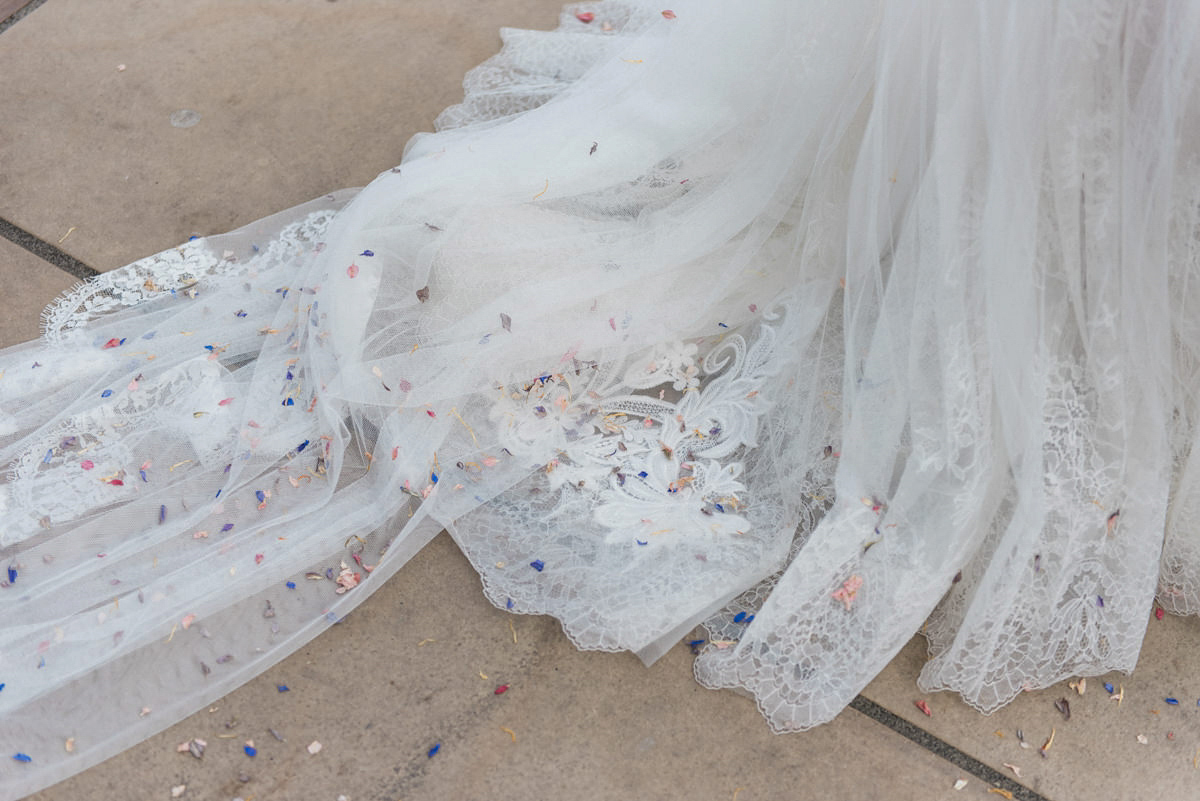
(924, 707)
(668, 14)
(314, 747)
(585, 16)
(352, 271)
(848, 592)
(1063, 706)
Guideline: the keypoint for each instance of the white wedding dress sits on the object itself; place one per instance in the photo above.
(818, 323)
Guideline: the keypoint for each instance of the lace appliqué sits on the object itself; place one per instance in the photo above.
(657, 468)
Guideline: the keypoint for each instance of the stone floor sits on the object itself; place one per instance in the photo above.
(299, 97)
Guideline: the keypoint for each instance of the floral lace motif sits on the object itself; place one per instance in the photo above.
(655, 468)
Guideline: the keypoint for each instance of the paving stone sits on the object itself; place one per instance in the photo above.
(291, 98)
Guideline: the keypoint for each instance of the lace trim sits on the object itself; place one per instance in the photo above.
(171, 272)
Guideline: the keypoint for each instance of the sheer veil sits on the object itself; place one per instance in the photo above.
(815, 324)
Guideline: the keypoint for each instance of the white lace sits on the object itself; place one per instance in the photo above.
(819, 325)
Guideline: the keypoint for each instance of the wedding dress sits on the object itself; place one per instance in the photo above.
(818, 323)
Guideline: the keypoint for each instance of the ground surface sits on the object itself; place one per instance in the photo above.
(300, 97)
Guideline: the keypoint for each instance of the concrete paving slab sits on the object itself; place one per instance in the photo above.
(289, 100)
(1096, 754)
(28, 285)
(406, 672)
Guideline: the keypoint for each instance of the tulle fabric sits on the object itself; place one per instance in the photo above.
(819, 323)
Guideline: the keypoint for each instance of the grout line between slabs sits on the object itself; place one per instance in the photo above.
(19, 14)
(943, 749)
(43, 249)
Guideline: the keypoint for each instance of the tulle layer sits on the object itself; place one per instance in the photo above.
(816, 325)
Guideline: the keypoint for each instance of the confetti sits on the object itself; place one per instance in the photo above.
(87, 464)
(12, 579)
(22, 757)
(1159, 613)
(1078, 686)
(1172, 701)
(961, 783)
(848, 592)
(512, 734)
(1109, 688)
(538, 565)
(283, 688)
(1016, 770)
(69, 745)
(437, 747)
(250, 750)
(195, 747)
(585, 16)
(314, 747)
(501, 690)
(352, 271)
(998, 791)
(1049, 742)
(668, 14)
(1141, 738)
(506, 322)
(178, 790)
(924, 707)
(423, 294)
(1063, 707)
